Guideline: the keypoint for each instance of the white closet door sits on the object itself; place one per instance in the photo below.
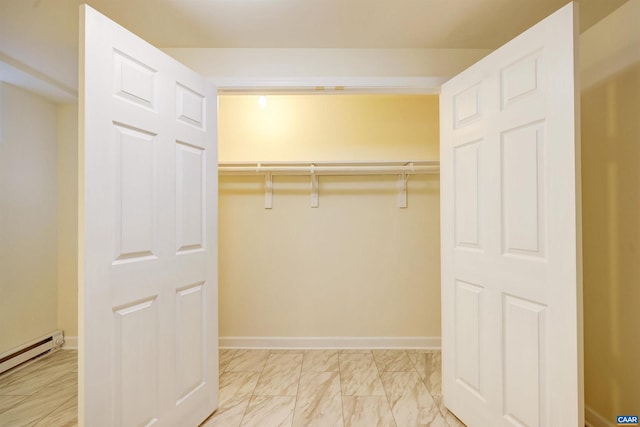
(511, 285)
(148, 323)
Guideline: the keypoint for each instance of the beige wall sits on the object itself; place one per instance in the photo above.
(28, 217)
(611, 214)
(68, 219)
(328, 127)
(356, 266)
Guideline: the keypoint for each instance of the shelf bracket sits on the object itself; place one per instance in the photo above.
(314, 188)
(268, 190)
(402, 190)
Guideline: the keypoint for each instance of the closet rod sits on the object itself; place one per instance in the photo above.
(331, 168)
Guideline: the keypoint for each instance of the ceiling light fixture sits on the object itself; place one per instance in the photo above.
(262, 101)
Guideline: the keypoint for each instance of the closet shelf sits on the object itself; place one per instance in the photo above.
(330, 168)
(314, 169)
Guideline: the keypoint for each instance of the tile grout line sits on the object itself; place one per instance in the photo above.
(295, 404)
(244, 413)
(344, 419)
(386, 395)
(444, 417)
(229, 362)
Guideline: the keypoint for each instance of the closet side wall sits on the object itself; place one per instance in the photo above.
(68, 222)
(28, 217)
(356, 266)
(610, 105)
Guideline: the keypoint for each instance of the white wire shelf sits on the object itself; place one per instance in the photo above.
(330, 168)
(315, 169)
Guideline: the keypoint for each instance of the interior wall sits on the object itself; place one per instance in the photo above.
(610, 104)
(67, 122)
(356, 266)
(28, 217)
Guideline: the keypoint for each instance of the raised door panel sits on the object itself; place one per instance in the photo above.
(190, 107)
(523, 190)
(190, 342)
(469, 306)
(190, 161)
(524, 352)
(467, 106)
(467, 191)
(135, 189)
(137, 368)
(521, 80)
(135, 81)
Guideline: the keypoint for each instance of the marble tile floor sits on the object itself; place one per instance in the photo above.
(41, 393)
(327, 388)
(318, 388)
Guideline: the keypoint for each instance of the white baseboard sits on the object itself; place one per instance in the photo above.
(70, 343)
(594, 419)
(420, 343)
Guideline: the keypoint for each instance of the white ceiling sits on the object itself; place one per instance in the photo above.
(303, 23)
(337, 23)
(35, 32)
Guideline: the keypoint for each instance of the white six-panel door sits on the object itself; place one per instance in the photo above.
(148, 294)
(511, 285)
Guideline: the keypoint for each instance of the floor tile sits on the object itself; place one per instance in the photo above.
(269, 411)
(320, 361)
(367, 411)
(67, 357)
(452, 420)
(225, 357)
(229, 415)
(359, 375)
(248, 361)
(37, 375)
(428, 366)
(411, 403)
(319, 402)
(236, 386)
(236, 389)
(280, 375)
(41, 404)
(65, 416)
(7, 402)
(301, 388)
(392, 361)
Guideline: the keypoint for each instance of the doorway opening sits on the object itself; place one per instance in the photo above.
(310, 258)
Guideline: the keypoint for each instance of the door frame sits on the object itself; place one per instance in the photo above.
(429, 85)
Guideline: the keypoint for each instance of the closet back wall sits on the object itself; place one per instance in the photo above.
(356, 266)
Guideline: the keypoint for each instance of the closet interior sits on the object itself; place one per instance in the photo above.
(328, 218)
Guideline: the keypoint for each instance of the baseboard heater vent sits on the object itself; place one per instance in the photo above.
(30, 350)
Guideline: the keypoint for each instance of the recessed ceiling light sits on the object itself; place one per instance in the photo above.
(262, 101)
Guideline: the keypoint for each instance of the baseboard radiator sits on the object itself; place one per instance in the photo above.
(30, 350)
